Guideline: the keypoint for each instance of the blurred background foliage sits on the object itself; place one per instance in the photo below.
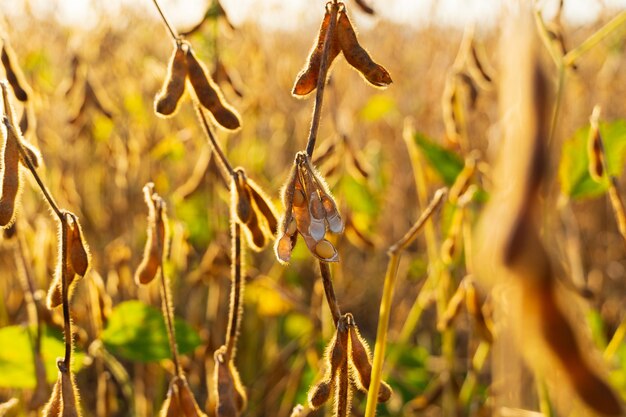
(96, 161)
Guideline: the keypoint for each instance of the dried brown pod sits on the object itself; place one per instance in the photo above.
(231, 396)
(187, 401)
(166, 100)
(306, 80)
(287, 236)
(343, 392)
(595, 149)
(69, 395)
(357, 56)
(171, 406)
(241, 197)
(361, 363)
(257, 238)
(517, 229)
(263, 203)
(308, 201)
(320, 393)
(77, 248)
(253, 210)
(209, 94)
(335, 356)
(55, 292)
(54, 405)
(11, 175)
(156, 239)
(32, 154)
(13, 73)
(10, 232)
(23, 124)
(63, 401)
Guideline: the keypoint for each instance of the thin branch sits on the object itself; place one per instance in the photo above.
(169, 27)
(330, 292)
(570, 58)
(224, 164)
(169, 319)
(321, 81)
(385, 304)
(67, 324)
(406, 240)
(236, 294)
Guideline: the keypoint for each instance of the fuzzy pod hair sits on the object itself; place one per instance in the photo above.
(308, 77)
(166, 100)
(357, 56)
(209, 94)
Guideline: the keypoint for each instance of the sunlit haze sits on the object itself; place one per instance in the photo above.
(286, 15)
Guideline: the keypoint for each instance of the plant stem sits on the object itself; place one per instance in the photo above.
(224, 164)
(33, 170)
(616, 341)
(570, 58)
(557, 103)
(67, 325)
(618, 206)
(169, 27)
(330, 292)
(469, 385)
(168, 314)
(236, 293)
(385, 305)
(321, 81)
(166, 305)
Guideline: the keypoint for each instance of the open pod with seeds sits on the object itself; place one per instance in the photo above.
(180, 401)
(310, 210)
(184, 66)
(254, 211)
(231, 398)
(156, 233)
(74, 259)
(342, 39)
(64, 400)
(348, 365)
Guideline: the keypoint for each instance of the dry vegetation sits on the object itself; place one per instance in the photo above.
(473, 207)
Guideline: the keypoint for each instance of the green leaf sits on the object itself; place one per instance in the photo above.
(446, 163)
(136, 331)
(17, 368)
(358, 196)
(573, 169)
